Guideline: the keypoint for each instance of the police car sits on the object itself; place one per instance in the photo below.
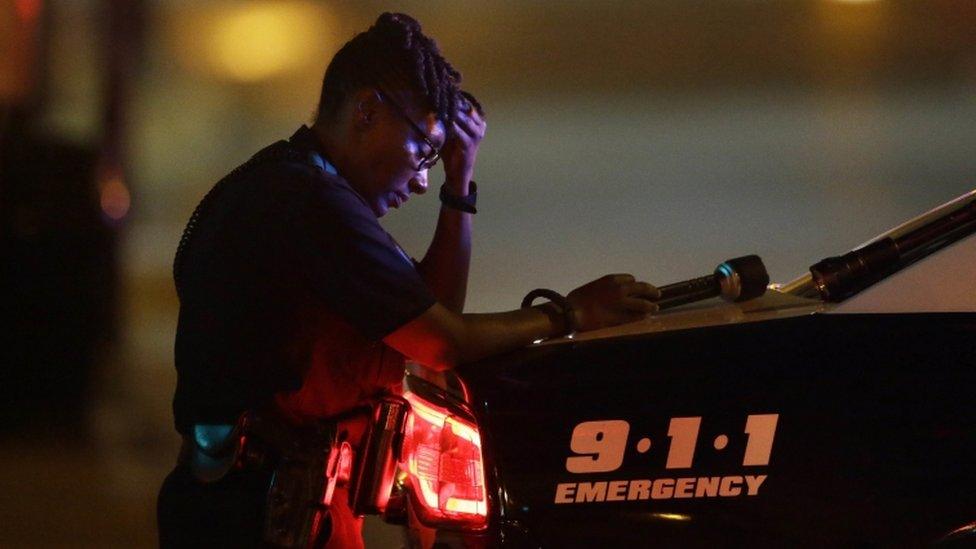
(836, 409)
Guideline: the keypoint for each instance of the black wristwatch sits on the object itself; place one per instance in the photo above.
(463, 203)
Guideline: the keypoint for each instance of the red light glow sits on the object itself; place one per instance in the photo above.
(28, 10)
(114, 197)
(443, 461)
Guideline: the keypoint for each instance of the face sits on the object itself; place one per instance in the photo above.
(392, 152)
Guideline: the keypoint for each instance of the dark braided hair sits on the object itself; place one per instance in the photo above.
(393, 52)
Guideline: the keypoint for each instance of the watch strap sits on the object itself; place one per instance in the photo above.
(560, 301)
(463, 203)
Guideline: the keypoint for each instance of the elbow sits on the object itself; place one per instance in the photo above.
(438, 339)
(436, 349)
(441, 366)
(449, 352)
(447, 344)
(439, 354)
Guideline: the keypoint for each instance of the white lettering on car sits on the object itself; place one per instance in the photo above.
(661, 488)
(601, 446)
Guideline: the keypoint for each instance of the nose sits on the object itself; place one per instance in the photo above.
(418, 183)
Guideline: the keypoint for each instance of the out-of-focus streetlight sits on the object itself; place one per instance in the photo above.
(254, 41)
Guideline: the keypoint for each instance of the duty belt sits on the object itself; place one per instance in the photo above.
(308, 462)
(256, 441)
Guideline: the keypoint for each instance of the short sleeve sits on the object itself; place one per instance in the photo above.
(355, 266)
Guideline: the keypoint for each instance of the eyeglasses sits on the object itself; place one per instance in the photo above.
(428, 160)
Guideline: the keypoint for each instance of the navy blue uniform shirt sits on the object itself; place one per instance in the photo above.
(287, 285)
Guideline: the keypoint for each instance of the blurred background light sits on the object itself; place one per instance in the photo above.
(28, 9)
(253, 41)
(18, 35)
(113, 196)
(257, 41)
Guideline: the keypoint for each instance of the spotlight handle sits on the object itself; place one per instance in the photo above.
(688, 291)
(738, 279)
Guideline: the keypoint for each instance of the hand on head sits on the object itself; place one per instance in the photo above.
(460, 152)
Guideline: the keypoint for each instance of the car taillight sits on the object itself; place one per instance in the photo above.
(442, 459)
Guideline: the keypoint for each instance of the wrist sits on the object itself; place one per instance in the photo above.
(464, 202)
(460, 186)
(558, 321)
(560, 311)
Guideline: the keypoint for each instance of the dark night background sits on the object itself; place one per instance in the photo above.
(657, 137)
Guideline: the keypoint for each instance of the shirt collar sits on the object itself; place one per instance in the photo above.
(306, 139)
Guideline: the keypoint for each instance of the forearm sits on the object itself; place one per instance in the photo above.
(493, 333)
(447, 262)
(442, 339)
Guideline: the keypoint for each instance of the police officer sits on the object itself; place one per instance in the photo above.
(294, 301)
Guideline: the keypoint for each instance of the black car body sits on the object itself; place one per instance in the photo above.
(783, 421)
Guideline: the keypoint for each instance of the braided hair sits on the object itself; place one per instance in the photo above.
(393, 52)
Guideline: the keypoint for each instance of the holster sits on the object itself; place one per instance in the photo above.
(308, 462)
(304, 482)
(306, 472)
(373, 477)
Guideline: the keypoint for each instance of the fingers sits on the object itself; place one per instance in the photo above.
(470, 124)
(621, 279)
(471, 116)
(637, 298)
(629, 286)
(644, 290)
(638, 305)
(464, 134)
(469, 103)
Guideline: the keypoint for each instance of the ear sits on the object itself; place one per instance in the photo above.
(366, 104)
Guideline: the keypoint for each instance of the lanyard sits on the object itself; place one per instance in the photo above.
(322, 163)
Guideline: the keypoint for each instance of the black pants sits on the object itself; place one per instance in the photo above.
(226, 513)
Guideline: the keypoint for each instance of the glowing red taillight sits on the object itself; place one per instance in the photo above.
(442, 459)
